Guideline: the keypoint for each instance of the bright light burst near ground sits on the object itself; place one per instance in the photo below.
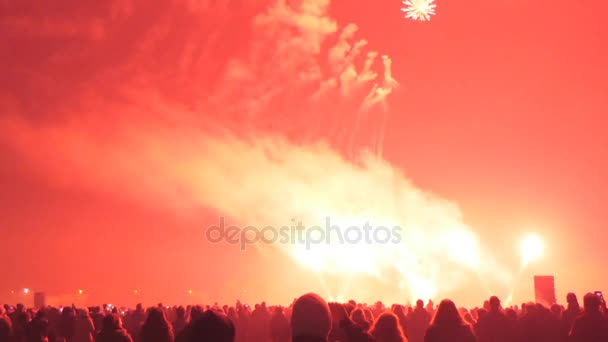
(419, 9)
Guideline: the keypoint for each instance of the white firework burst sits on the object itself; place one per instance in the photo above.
(419, 9)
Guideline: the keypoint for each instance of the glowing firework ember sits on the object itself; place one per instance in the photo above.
(419, 9)
(532, 248)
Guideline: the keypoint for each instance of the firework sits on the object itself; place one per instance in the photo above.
(419, 9)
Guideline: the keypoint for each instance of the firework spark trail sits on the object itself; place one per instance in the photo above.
(381, 131)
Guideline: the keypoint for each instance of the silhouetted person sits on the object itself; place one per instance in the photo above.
(53, 316)
(387, 328)
(280, 330)
(418, 322)
(494, 326)
(369, 315)
(84, 330)
(260, 323)
(38, 328)
(481, 314)
(180, 320)
(97, 317)
(112, 330)
(66, 324)
(573, 310)
(512, 324)
(243, 314)
(401, 315)
(377, 309)
(358, 318)
(19, 309)
(556, 310)
(156, 328)
(212, 326)
(430, 307)
(196, 312)
(6, 327)
(592, 325)
(448, 326)
(347, 329)
(341, 325)
(20, 323)
(310, 319)
(136, 321)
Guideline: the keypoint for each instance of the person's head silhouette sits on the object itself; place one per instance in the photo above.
(592, 303)
(447, 314)
(212, 325)
(571, 299)
(494, 303)
(310, 319)
(111, 322)
(180, 312)
(387, 328)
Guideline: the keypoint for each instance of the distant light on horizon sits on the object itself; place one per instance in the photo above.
(26, 290)
(80, 291)
(532, 249)
(190, 292)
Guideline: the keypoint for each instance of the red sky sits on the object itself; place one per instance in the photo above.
(501, 109)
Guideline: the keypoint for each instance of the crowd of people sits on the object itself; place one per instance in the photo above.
(311, 319)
